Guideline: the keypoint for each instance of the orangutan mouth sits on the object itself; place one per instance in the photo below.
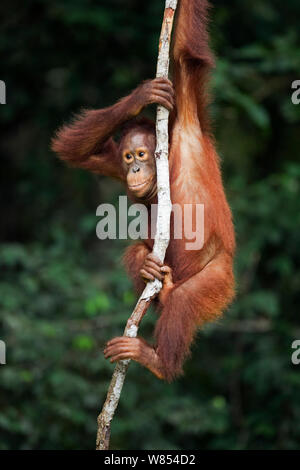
(134, 187)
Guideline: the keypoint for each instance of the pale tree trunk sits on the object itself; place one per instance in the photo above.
(162, 236)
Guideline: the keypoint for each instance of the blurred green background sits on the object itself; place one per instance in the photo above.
(63, 293)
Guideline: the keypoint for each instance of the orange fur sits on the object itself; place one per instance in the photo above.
(204, 283)
(203, 279)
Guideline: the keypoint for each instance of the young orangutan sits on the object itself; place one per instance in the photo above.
(197, 284)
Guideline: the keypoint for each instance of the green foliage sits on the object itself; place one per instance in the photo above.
(63, 293)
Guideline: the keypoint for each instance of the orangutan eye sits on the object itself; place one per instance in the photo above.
(128, 156)
(141, 154)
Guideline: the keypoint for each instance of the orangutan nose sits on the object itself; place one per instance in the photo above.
(135, 169)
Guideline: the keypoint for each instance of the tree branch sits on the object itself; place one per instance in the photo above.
(162, 236)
